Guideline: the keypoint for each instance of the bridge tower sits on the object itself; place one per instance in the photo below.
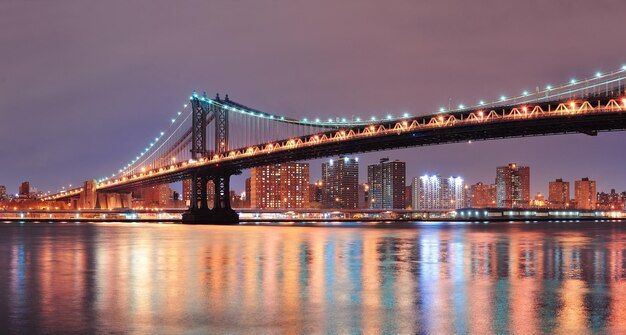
(199, 211)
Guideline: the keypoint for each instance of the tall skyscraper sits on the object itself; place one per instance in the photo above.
(280, 186)
(3, 192)
(585, 193)
(340, 183)
(513, 186)
(434, 192)
(387, 182)
(483, 195)
(558, 194)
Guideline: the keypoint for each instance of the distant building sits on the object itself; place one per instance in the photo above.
(280, 186)
(539, 201)
(340, 182)
(434, 192)
(483, 195)
(187, 191)
(247, 203)
(157, 196)
(558, 194)
(611, 201)
(513, 186)
(387, 182)
(316, 191)
(408, 196)
(364, 196)
(24, 190)
(3, 193)
(585, 193)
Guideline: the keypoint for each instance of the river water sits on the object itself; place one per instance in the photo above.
(425, 278)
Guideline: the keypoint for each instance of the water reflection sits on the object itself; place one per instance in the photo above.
(149, 278)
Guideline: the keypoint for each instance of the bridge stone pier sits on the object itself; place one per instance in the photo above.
(199, 211)
(91, 199)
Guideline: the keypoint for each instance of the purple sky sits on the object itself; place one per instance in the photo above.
(85, 84)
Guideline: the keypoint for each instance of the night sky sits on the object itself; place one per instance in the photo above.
(84, 85)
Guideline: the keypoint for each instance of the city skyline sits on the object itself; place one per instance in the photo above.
(144, 97)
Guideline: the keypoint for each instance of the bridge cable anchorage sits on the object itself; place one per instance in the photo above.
(233, 130)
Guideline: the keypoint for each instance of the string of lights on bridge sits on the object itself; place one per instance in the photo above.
(343, 122)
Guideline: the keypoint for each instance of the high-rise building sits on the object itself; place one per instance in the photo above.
(3, 192)
(187, 191)
(280, 186)
(585, 193)
(248, 193)
(483, 195)
(24, 190)
(364, 195)
(387, 184)
(157, 196)
(434, 192)
(408, 196)
(316, 191)
(340, 183)
(558, 194)
(513, 186)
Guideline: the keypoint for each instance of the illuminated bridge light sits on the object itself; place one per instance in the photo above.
(304, 120)
(373, 118)
(442, 109)
(573, 81)
(358, 119)
(389, 117)
(548, 87)
(461, 106)
(184, 105)
(502, 98)
(623, 67)
(481, 102)
(405, 115)
(525, 93)
(598, 74)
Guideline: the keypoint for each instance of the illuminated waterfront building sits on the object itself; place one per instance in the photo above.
(340, 182)
(434, 192)
(387, 181)
(585, 193)
(280, 186)
(611, 201)
(157, 196)
(558, 194)
(513, 186)
(483, 195)
(3, 193)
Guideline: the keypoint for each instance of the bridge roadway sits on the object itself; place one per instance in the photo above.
(548, 118)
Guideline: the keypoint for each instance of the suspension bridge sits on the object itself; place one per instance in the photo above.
(211, 139)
